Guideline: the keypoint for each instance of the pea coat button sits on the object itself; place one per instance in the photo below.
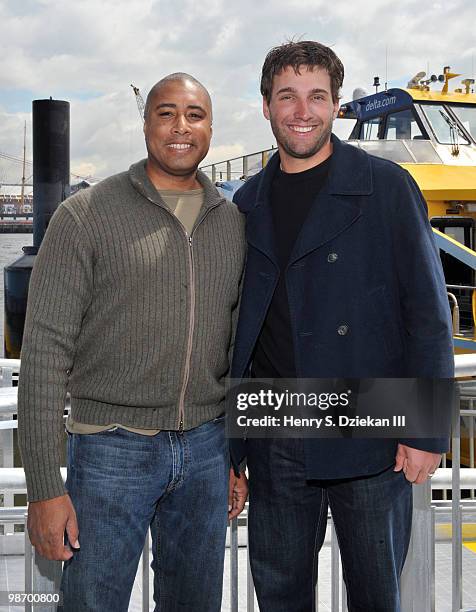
(332, 257)
(342, 330)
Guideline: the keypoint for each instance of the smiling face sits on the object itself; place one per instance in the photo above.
(301, 111)
(177, 131)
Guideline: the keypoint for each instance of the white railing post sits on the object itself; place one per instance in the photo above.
(245, 166)
(316, 590)
(456, 519)
(344, 594)
(250, 589)
(417, 581)
(145, 575)
(41, 576)
(471, 441)
(6, 443)
(28, 566)
(335, 562)
(234, 565)
(46, 579)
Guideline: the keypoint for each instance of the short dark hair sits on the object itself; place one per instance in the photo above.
(175, 76)
(301, 53)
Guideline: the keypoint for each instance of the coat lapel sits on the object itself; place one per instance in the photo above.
(336, 208)
(259, 221)
(329, 216)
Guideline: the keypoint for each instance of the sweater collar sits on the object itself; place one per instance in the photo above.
(142, 183)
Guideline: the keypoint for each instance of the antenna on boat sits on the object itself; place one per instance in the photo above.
(386, 66)
(472, 71)
(447, 75)
(22, 197)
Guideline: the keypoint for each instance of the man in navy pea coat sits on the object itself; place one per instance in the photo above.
(343, 279)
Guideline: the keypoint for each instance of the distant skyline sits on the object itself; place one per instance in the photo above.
(89, 53)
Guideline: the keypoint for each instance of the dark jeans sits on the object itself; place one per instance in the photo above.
(120, 484)
(287, 523)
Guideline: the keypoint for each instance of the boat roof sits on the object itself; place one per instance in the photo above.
(396, 99)
(436, 96)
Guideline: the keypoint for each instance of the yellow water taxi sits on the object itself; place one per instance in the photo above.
(432, 134)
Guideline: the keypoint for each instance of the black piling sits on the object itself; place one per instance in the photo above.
(50, 187)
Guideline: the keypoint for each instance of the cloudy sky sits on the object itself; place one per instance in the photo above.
(90, 51)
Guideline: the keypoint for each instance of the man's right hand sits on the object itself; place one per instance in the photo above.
(47, 521)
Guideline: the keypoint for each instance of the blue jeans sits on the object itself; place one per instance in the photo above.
(287, 523)
(122, 483)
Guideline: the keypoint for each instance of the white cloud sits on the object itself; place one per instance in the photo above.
(74, 50)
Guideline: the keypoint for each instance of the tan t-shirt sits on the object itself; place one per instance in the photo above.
(186, 206)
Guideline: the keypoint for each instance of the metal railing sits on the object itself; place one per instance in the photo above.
(9, 369)
(454, 312)
(238, 167)
(463, 305)
(418, 586)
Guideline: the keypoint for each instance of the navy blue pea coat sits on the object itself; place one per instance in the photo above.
(366, 293)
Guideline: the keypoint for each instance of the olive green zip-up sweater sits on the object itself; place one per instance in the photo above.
(129, 314)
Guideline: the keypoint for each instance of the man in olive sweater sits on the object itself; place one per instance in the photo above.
(131, 308)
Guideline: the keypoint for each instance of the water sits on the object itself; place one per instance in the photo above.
(10, 250)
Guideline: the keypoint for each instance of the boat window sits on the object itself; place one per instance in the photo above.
(457, 272)
(458, 233)
(466, 116)
(459, 228)
(370, 128)
(443, 125)
(402, 125)
(408, 152)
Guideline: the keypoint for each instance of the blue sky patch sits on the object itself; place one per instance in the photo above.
(19, 100)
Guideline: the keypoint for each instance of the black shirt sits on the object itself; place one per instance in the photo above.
(292, 196)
